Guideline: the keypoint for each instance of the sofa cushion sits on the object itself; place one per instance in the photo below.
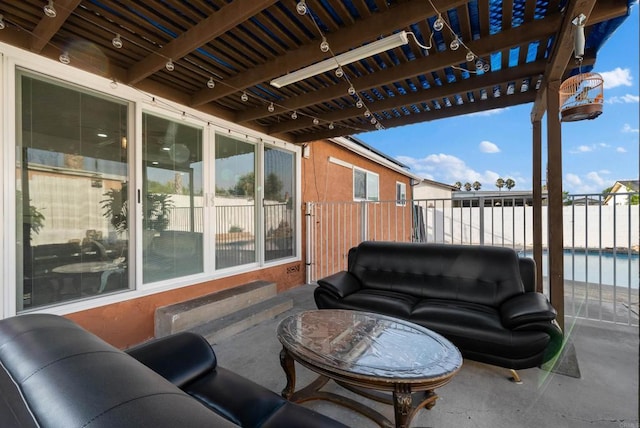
(381, 301)
(477, 329)
(485, 275)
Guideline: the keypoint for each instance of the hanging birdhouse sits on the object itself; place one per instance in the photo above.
(581, 97)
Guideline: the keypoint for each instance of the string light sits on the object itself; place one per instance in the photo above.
(352, 90)
(210, 83)
(316, 121)
(359, 103)
(2, 24)
(339, 72)
(331, 126)
(301, 7)
(244, 97)
(294, 115)
(169, 65)
(64, 58)
(324, 46)
(438, 24)
(271, 108)
(117, 41)
(50, 10)
(470, 56)
(455, 44)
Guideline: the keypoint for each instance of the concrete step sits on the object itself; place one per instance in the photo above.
(186, 315)
(237, 322)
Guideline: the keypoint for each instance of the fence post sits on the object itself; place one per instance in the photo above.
(363, 220)
(481, 226)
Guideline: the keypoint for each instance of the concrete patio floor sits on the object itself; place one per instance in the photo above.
(480, 395)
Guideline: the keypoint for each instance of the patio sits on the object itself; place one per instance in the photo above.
(606, 394)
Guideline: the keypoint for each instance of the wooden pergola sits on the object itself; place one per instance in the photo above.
(226, 53)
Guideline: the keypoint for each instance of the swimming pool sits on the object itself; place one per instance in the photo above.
(621, 269)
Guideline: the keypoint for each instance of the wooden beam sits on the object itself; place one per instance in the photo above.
(445, 112)
(562, 52)
(48, 27)
(215, 25)
(438, 92)
(524, 34)
(554, 197)
(363, 31)
(537, 202)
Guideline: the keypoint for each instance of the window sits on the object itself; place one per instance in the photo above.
(401, 193)
(279, 204)
(71, 193)
(365, 185)
(172, 203)
(235, 202)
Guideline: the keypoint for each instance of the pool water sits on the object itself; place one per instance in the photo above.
(622, 270)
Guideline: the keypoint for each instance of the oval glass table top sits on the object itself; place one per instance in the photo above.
(368, 344)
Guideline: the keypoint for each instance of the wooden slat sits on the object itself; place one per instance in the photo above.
(206, 30)
(48, 27)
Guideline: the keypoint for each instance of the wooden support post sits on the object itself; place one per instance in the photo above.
(537, 201)
(554, 197)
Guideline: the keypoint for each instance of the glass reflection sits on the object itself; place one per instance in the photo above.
(172, 206)
(235, 202)
(71, 177)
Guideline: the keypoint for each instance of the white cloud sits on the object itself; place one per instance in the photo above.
(621, 150)
(572, 179)
(584, 149)
(595, 178)
(488, 147)
(493, 112)
(625, 99)
(617, 77)
(448, 169)
(628, 128)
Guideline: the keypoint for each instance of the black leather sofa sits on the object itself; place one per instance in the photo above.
(481, 298)
(55, 374)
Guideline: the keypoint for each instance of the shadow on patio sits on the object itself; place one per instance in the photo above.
(480, 395)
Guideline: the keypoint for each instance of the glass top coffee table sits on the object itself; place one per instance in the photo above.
(370, 354)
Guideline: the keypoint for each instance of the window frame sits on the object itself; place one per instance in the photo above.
(368, 191)
(401, 194)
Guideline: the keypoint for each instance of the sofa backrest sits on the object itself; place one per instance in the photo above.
(60, 375)
(480, 274)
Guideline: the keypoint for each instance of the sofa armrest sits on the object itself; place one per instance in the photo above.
(179, 358)
(341, 284)
(526, 308)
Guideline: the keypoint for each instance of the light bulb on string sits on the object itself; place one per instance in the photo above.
(211, 83)
(316, 121)
(479, 64)
(301, 8)
(373, 121)
(470, 56)
(244, 97)
(169, 65)
(324, 46)
(294, 115)
(352, 90)
(339, 72)
(359, 104)
(2, 24)
(271, 108)
(454, 45)
(486, 67)
(64, 58)
(367, 113)
(331, 126)
(117, 42)
(50, 10)
(438, 24)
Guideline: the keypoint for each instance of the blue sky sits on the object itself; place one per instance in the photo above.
(497, 143)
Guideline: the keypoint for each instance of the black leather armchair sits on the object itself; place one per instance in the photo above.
(481, 298)
(55, 374)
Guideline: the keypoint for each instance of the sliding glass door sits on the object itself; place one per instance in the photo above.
(172, 199)
(71, 192)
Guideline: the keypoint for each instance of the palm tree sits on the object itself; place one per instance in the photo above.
(457, 185)
(510, 183)
(499, 183)
(467, 186)
(476, 185)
